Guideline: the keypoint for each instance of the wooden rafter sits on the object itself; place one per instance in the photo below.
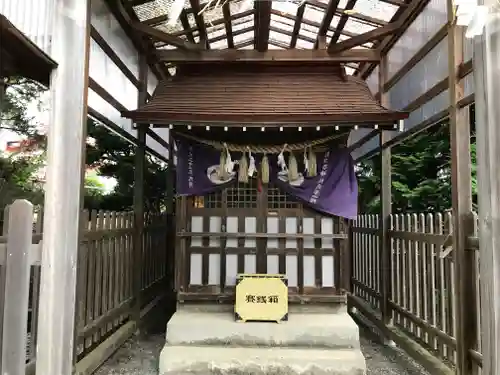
(186, 26)
(357, 16)
(290, 34)
(245, 43)
(226, 11)
(125, 15)
(200, 23)
(343, 73)
(343, 20)
(308, 22)
(365, 37)
(327, 20)
(278, 43)
(289, 55)
(161, 36)
(297, 25)
(237, 32)
(321, 42)
(262, 24)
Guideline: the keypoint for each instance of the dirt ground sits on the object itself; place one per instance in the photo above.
(139, 356)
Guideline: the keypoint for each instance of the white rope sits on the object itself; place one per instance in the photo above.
(258, 149)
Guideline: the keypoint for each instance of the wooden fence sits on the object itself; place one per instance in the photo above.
(422, 299)
(105, 293)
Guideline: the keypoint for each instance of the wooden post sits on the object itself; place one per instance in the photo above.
(17, 286)
(461, 197)
(170, 174)
(487, 85)
(140, 161)
(385, 204)
(64, 187)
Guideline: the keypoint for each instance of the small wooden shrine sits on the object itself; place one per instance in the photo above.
(264, 178)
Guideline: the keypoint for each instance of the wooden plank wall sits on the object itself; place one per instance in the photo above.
(217, 243)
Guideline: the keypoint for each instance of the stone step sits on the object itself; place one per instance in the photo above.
(334, 331)
(213, 360)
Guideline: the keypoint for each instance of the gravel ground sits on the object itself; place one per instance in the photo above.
(139, 356)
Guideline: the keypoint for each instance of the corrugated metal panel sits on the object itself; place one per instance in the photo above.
(253, 93)
(425, 26)
(32, 17)
(372, 81)
(355, 136)
(422, 77)
(105, 72)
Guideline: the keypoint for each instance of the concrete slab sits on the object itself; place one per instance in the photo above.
(209, 360)
(335, 331)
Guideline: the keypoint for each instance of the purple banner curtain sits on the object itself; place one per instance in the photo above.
(332, 191)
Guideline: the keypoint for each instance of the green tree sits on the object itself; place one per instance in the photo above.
(18, 179)
(421, 174)
(115, 157)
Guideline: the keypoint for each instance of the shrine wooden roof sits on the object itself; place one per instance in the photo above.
(19, 56)
(253, 93)
(307, 30)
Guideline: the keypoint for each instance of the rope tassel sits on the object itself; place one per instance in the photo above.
(312, 164)
(293, 169)
(243, 170)
(265, 169)
(251, 164)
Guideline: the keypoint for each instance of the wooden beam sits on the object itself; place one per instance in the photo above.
(365, 37)
(125, 16)
(200, 23)
(262, 24)
(139, 203)
(343, 20)
(244, 44)
(385, 203)
(343, 73)
(297, 24)
(226, 11)
(461, 202)
(486, 78)
(237, 32)
(289, 55)
(278, 43)
(309, 22)
(327, 20)
(321, 41)
(186, 26)
(161, 36)
(290, 34)
(358, 16)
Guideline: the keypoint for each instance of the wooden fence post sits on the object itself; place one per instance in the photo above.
(139, 176)
(17, 285)
(385, 205)
(461, 198)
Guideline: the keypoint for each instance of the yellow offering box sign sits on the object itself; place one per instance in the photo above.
(261, 297)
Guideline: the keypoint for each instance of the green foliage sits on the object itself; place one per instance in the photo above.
(18, 179)
(20, 94)
(115, 157)
(421, 174)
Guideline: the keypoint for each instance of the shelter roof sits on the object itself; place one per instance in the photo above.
(20, 56)
(252, 93)
(371, 26)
